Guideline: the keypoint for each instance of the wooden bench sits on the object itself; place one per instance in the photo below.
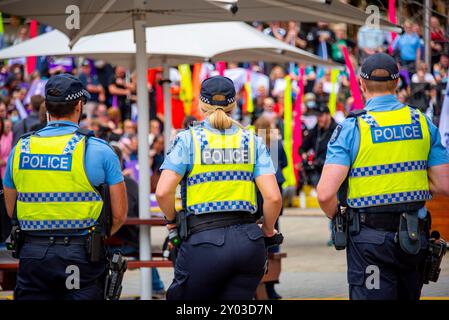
(274, 270)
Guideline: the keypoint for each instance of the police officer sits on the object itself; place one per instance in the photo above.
(392, 157)
(219, 165)
(50, 181)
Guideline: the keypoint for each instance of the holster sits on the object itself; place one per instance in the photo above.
(409, 232)
(15, 241)
(181, 223)
(95, 244)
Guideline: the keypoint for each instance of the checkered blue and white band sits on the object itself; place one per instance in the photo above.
(391, 198)
(68, 149)
(202, 139)
(222, 206)
(388, 168)
(34, 225)
(220, 176)
(369, 119)
(32, 197)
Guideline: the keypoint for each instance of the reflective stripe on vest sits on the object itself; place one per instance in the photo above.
(391, 164)
(222, 177)
(53, 190)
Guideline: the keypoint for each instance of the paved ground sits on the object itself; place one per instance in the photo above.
(312, 269)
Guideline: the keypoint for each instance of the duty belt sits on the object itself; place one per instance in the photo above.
(387, 221)
(64, 240)
(198, 223)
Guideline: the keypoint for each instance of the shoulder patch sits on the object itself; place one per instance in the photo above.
(172, 147)
(335, 134)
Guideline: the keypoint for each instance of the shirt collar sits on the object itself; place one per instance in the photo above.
(386, 102)
(57, 123)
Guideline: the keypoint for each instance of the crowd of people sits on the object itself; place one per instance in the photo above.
(112, 111)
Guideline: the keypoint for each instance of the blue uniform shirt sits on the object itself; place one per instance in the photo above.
(180, 155)
(102, 164)
(344, 145)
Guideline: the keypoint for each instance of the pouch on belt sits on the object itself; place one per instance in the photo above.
(408, 234)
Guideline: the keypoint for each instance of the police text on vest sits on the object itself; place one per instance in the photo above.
(396, 133)
(52, 162)
(225, 156)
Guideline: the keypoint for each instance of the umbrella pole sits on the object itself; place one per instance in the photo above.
(143, 155)
(167, 103)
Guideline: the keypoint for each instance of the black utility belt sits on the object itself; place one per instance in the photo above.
(209, 221)
(62, 240)
(385, 221)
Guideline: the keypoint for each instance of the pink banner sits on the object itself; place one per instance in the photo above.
(221, 67)
(32, 60)
(354, 86)
(297, 132)
(392, 18)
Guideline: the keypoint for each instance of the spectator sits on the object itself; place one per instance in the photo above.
(408, 44)
(341, 40)
(440, 69)
(295, 36)
(314, 145)
(122, 90)
(129, 235)
(42, 118)
(321, 39)
(6, 137)
(156, 159)
(274, 29)
(96, 90)
(25, 125)
(370, 41)
(438, 38)
(422, 75)
(155, 130)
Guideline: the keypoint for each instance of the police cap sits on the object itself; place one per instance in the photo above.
(217, 91)
(379, 61)
(65, 88)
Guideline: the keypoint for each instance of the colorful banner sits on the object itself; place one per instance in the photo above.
(249, 104)
(289, 172)
(444, 120)
(297, 128)
(196, 87)
(354, 86)
(32, 60)
(2, 39)
(220, 66)
(332, 105)
(186, 90)
(392, 18)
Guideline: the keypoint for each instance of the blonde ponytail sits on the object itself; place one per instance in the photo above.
(218, 115)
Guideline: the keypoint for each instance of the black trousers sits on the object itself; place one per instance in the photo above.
(220, 264)
(378, 269)
(58, 272)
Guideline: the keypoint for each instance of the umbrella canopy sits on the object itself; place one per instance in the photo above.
(171, 45)
(111, 15)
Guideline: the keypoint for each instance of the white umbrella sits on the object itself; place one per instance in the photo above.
(170, 45)
(111, 15)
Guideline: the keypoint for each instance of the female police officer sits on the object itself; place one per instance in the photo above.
(217, 163)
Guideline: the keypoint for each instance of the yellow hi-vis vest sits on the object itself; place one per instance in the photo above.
(391, 164)
(222, 177)
(53, 191)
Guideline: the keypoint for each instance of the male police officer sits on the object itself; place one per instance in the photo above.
(50, 180)
(393, 159)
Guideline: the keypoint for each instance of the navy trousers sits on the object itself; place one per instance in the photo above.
(51, 272)
(220, 264)
(378, 269)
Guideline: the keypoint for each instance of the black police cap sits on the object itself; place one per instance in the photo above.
(217, 91)
(379, 61)
(322, 109)
(65, 88)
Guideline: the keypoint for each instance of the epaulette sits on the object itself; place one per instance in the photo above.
(356, 113)
(85, 132)
(27, 134)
